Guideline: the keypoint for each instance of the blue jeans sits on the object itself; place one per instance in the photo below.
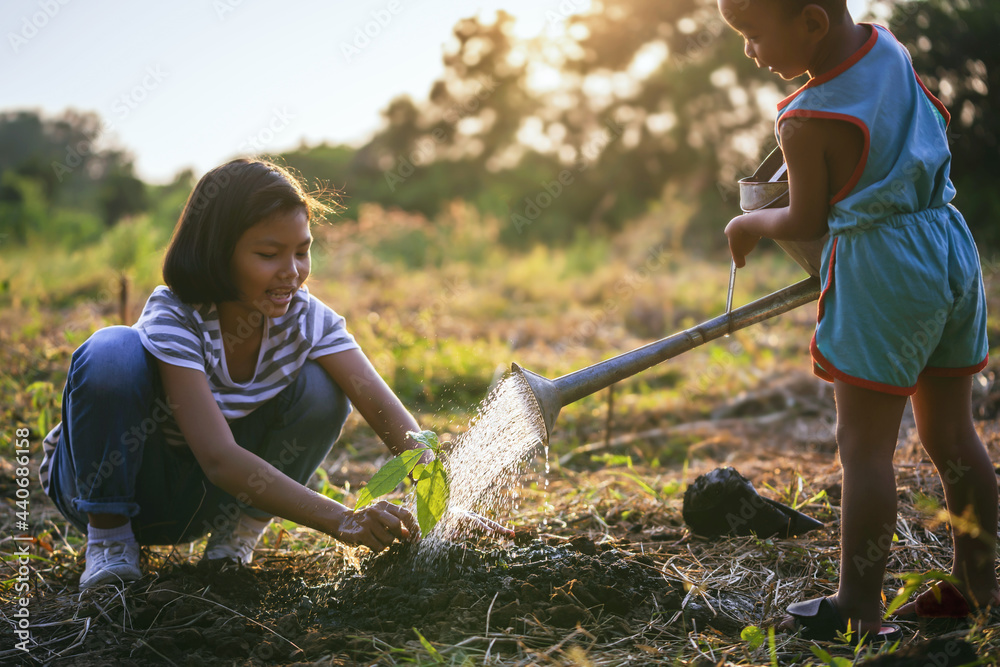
(113, 458)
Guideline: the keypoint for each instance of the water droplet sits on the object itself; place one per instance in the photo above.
(546, 465)
(485, 464)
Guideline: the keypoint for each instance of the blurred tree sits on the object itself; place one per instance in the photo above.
(62, 153)
(184, 181)
(22, 206)
(121, 194)
(691, 109)
(479, 103)
(604, 117)
(27, 147)
(644, 93)
(62, 157)
(449, 145)
(640, 95)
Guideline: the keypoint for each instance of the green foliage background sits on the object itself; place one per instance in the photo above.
(618, 143)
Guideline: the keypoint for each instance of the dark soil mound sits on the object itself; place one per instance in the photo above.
(463, 592)
(281, 614)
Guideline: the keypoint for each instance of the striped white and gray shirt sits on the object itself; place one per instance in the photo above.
(189, 336)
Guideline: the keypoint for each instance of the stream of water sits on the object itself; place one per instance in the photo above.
(485, 463)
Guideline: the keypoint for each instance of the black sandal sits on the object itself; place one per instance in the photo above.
(820, 620)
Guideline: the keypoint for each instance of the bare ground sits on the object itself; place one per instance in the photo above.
(603, 571)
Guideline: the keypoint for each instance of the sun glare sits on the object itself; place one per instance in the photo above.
(544, 78)
(648, 60)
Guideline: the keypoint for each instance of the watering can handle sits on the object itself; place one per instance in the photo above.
(552, 395)
(729, 298)
(586, 381)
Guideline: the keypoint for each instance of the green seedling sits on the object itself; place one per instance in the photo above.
(327, 489)
(430, 479)
(753, 636)
(671, 488)
(793, 497)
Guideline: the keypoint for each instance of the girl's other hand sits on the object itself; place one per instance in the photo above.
(377, 526)
(741, 242)
(485, 525)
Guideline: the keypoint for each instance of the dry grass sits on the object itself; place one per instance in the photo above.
(442, 330)
(730, 583)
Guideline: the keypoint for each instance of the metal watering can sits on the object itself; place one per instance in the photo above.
(763, 189)
(766, 189)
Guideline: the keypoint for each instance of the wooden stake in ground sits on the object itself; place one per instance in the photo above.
(608, 418)
(123, 298)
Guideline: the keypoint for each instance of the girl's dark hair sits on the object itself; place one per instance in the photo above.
(226, 202)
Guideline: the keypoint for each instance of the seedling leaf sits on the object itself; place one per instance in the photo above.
(432, 496)
(428, 439)
(641, 484)
(389, 476)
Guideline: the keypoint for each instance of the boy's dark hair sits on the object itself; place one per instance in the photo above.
(834, 8)
(226, 202)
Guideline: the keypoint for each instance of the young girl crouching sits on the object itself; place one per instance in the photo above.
(209, 415)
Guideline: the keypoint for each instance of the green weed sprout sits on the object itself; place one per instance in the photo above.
(431, 480)
(830, 660)
(753, 636)
(912, 582)
(435, 654)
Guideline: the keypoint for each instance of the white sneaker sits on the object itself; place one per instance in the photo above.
(110, 562)
(237, 540)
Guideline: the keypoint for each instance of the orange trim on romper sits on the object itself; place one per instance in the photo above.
(821, 374)
(934, 100)
(856, 381)
(940, 372)
(822, 366)
(838, 70)
(818, 370)
(825, 370)
(830, 115)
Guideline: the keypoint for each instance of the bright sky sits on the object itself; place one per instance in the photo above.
(192, 83)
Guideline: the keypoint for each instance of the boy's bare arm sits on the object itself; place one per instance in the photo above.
(805, 145)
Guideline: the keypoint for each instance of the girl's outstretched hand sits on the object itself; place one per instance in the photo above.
(377, 526)
(741, 242)
(488, 526)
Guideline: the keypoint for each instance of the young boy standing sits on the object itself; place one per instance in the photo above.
(902, 311)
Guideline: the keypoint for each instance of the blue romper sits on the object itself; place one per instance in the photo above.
(902, 292)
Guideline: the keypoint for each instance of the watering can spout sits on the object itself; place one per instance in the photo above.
(551, 395)
(546, 395)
